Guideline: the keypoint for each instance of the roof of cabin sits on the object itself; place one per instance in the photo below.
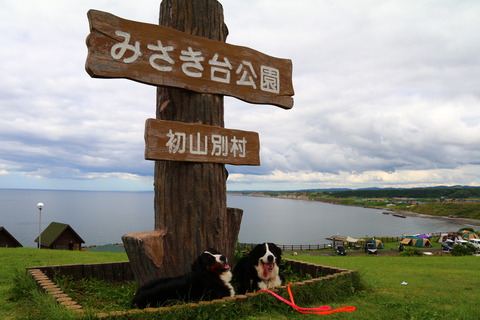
(12, 238)
(54, 231)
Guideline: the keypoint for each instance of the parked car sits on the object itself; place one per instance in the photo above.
(447, 245)
(340, 250)
(476, 243)
(370, 248)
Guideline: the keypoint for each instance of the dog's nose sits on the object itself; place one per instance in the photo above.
(223, 258)
(270, 258)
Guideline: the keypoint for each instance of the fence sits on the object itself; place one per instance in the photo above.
(291, 247)
(300, 247)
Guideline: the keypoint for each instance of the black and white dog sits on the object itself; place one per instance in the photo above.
(259, 269)
(209, 279)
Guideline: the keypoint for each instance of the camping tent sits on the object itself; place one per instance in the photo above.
(378, 243)
(470, 235)
(416, 242)
(352, 240)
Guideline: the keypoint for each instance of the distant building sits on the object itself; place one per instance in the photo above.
(7, 240)
(60, 236)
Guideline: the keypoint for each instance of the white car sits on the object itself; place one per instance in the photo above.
(475, 242)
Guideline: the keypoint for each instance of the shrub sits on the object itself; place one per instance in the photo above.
(411, 252)
(463, 250)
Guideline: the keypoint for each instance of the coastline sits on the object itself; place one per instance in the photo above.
(472, 222)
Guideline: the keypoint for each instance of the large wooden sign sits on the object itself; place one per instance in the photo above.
(179, 141)
(162, 56)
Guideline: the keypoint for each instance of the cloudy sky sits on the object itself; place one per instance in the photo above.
(387, 94)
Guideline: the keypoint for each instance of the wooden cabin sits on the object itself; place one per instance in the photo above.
(7, 240)
(60, 236)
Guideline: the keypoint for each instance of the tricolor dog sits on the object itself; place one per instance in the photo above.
(259, 269)
(209, 279)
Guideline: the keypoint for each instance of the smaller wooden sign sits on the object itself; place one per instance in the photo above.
(180, 141)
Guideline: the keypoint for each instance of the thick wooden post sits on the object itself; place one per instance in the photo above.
(190, 198)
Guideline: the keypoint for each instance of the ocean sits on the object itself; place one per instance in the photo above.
(103, 217)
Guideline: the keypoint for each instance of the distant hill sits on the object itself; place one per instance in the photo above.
(447, 192)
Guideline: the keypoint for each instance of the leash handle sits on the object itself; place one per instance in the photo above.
(320, 310)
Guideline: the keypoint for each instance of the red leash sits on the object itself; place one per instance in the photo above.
(319, 310)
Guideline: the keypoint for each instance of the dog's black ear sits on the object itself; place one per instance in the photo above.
(257, 250)
(276, 251)
(198, 264)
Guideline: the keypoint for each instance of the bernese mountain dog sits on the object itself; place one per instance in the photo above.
(209, 279)
(259, 269)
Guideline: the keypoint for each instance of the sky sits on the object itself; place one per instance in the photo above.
(387, 94)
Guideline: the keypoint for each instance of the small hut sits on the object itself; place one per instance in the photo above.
(7, 240)
(60, 236)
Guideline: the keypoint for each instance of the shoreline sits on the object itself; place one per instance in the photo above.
(473, 222)
(467, 221)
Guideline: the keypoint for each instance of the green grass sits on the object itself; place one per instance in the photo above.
(98, 295)
(439, 287)
(15, 260)
(463, 210)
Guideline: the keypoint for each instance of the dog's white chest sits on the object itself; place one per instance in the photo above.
(226, 278)
(271, 283)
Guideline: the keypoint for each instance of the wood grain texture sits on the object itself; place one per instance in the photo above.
(179, 141)
(223, 68)
(190, 197)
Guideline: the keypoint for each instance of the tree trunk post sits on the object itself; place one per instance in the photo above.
(190, 198)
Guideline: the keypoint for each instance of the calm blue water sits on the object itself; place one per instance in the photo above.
(103, 217)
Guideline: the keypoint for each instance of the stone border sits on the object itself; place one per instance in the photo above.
(50, 288)
(121, 271)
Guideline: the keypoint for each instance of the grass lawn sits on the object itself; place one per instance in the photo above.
(15, 260)
(439, 287)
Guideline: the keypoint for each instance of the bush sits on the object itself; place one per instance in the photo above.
(463, 250)
(411, 252)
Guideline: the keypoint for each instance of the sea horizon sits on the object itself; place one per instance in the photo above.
(102, 217)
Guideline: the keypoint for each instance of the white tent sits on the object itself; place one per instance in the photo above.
(351, 239)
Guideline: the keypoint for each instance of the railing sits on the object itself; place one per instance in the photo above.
(300, 247)
(292, 247)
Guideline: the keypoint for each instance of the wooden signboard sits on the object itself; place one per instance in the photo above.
(162, 56)
(179, 141)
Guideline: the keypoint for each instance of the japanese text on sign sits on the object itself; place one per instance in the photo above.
(193, 64)
(213, 145)
(163, 56)
(179, 141)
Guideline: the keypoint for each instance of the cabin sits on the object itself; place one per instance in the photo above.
(7, 240)
(60, 236)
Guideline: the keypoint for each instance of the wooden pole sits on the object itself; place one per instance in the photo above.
(190, 198)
